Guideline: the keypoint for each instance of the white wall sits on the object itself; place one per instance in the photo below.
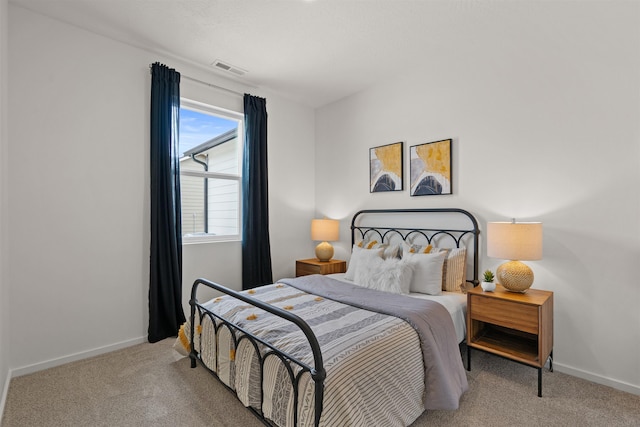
(548, 131)
(79, 190)
(4, 284)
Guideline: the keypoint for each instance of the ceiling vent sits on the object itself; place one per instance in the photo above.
(225, 66)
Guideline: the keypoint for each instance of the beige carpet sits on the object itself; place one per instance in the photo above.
(151, 385)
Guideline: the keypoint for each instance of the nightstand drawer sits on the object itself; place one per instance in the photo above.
(521, 317)
(304, 267)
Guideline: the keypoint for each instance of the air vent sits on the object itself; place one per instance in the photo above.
(224, 66)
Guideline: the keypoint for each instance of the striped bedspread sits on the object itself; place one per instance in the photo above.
(379, 372)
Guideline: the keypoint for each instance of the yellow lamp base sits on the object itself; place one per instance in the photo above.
(515, 276)
(324, 251)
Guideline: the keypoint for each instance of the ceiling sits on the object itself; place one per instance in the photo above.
(316, 51)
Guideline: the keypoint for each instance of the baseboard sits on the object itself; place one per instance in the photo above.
(619, 385)
(73, 357)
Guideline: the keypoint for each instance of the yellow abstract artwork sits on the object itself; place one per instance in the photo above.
(430, 168)
(385, 167)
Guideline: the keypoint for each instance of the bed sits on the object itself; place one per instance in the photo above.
(375, 346)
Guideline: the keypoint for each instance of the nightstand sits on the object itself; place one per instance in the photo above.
(516, 326)
(305, 267)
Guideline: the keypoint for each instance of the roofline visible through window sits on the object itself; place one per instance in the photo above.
(213, 142)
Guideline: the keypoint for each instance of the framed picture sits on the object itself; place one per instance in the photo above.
(386, 168)
(430, 168)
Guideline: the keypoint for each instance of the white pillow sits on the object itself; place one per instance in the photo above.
(359, 255)
(390, 251)
(412, 248)
(389, 275)
(427, 272)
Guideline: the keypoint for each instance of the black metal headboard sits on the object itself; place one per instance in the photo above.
(449, 227)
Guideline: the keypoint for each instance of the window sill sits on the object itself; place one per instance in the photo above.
(196, 240)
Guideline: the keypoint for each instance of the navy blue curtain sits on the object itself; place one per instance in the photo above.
(165, 278)
(256, 249)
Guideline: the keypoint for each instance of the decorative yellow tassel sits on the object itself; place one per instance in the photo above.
(318, 298)
(288, 307)
(251, 291)
(217, 299)
(252, 317)
(232, 354)
(199, 329)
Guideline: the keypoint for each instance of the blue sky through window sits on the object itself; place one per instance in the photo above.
(196, 128)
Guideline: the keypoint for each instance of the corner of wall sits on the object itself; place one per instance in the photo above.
(5, 376)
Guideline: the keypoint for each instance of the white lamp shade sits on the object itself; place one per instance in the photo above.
(521, 241)
(325, 230)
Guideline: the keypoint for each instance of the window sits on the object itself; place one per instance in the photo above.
(210, 171)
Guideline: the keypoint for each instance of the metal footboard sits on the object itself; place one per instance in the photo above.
(238, 334)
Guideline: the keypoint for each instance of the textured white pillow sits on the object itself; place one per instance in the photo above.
(427, 272)
(454, 270)
(359, 255)
(389, 275)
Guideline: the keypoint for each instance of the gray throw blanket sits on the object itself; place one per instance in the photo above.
(444, 374)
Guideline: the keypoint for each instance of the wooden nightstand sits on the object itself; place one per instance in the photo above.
(512, 325)
(305, 267)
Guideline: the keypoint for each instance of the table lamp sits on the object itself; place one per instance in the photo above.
(515, 241)
(324, 230)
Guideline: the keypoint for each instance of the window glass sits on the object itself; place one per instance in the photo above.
(210, 149)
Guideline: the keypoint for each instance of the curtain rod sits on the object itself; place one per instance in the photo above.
(207, 84)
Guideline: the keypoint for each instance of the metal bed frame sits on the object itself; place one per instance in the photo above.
(317, 371)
